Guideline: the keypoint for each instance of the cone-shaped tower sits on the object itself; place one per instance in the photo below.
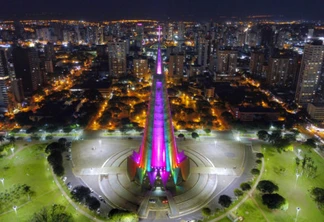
(158, 160)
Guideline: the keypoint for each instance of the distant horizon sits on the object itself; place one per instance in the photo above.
(220, 18)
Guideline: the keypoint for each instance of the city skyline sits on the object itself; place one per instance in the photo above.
(174, 10)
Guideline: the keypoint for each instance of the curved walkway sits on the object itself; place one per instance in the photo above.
(248, 195)
(71, 201)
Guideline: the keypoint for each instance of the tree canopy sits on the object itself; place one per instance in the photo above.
(274, 201)
(225, 201)
(317, 194)
(266, 186)
(54, 213)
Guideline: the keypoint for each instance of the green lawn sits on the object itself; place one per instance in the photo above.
(249, 212)
(30, 167)
(281, 169)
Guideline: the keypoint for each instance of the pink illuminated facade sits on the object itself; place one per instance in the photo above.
(158, 162)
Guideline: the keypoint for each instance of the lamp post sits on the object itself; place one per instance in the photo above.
(15, 209)
(299, 150)
(297, 211)
(297, 175)
(2, 181)
(12, 150)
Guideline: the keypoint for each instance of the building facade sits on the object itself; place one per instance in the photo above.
(310, 73)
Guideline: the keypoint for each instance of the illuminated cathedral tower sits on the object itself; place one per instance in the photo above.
(158, 162)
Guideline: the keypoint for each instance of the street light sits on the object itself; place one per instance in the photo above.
(297, 175)
(12, 150)
(99, 142)
(15, 209)
(2, 181)
(297, 211)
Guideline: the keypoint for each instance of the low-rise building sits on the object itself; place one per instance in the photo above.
(255, 113)
(316, 111)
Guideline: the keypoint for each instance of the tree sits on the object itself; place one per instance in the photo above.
(32, 130)
(309, 144)
(207, 131)
(258, 161)
(317, 194)
(225, 201)
(55, 146)
(117, 215)
(67, 129)
(27, 191)
(22, 118)
(12, 139)
(80, 193)
(92, 202)
(227, 115)
(58, 170)
(274, 201)
(263, 135)
(238, 192)
(274, 136)
(255, 171)
(62, 141)
(259, 155)
(55, 158)
(245, 186)
(206, 211)
(194, 135)
(2, 138)
(181, 136)
(54, 213)
(266, 186)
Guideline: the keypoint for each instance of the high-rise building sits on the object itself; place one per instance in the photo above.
(226, 61)
(49, 51)
(17, 90)
(117, 57)
(43, 34)
(278, 70)
(140, 66)
(27, 68)
(176, 65)
(310, 73)
(256, 63)
(139, 35)
(170, 32)
(158, 164)
(203, 52)
(4, 76)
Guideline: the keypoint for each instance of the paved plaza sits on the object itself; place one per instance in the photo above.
(215, 164)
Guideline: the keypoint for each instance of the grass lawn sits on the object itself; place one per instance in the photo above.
(30, 167)
(281, 169)
(249, 211)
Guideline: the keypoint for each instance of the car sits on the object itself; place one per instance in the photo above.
(64, 179)
(70, 187)
(152, 200)
(69, 150)
(101, 198)
(98, 211)
(91, 190)
(165, 201)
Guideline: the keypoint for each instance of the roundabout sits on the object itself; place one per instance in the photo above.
(213, 168)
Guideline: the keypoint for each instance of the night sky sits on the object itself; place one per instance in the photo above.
(173, 9)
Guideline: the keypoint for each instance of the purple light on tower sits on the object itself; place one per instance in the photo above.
(158, 161)
(159, 59)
